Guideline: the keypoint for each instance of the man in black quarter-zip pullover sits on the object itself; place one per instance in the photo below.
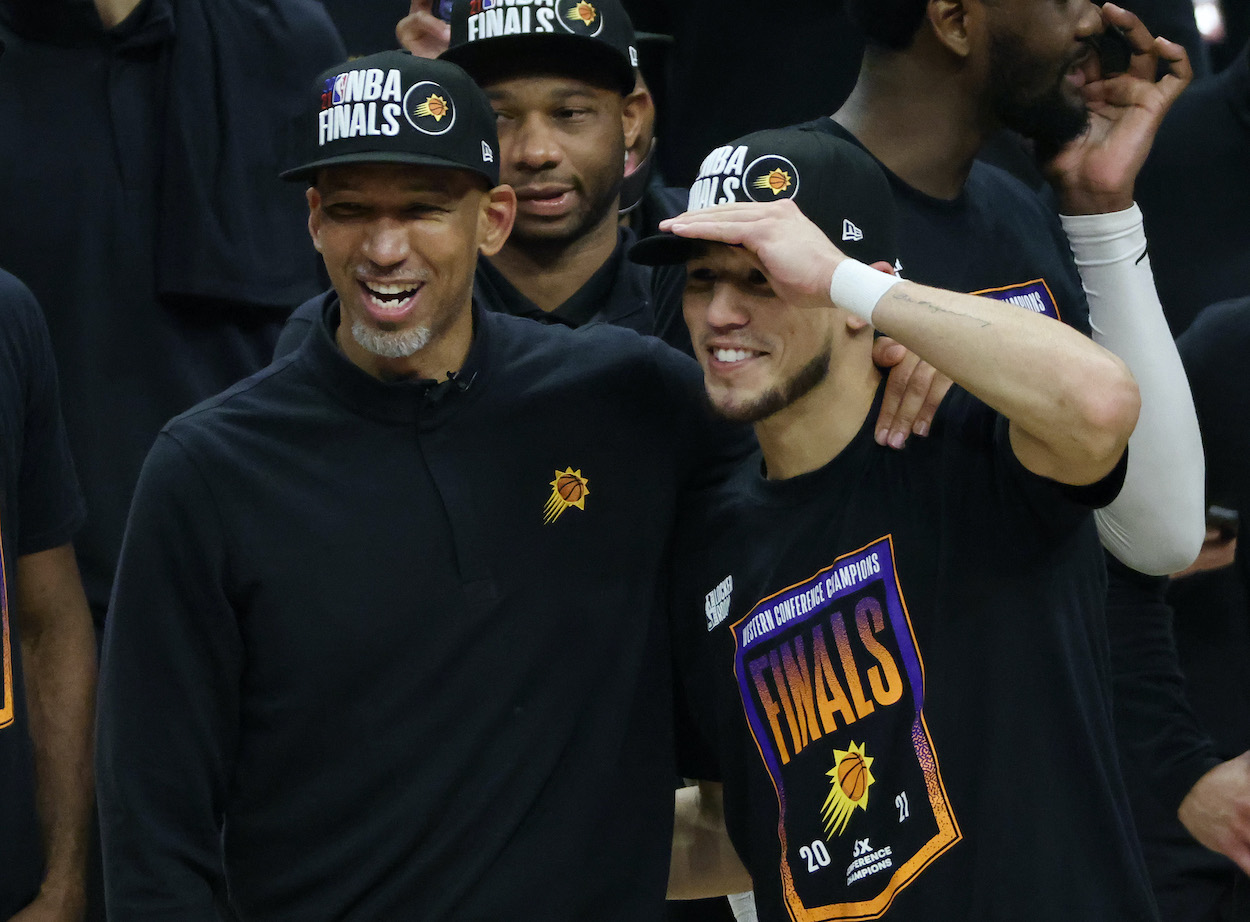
(385, 622)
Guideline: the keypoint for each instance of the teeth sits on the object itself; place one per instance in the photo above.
(389, 289)
(390, 295)
(730, 355)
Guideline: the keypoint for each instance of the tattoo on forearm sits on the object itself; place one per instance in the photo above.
(937, 308)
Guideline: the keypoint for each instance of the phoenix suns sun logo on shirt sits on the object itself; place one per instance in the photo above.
(832, 684)
(569, 488)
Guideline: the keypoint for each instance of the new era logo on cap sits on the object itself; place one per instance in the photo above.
(850, 231)
(488, 155)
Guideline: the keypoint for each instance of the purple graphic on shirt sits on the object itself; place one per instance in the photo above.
(832, 686)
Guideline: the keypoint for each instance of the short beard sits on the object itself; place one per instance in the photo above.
(1048, 118)
(390, 344)
(804, 382)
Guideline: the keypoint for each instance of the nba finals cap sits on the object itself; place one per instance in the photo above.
(393, 107)
(592, 40)
(839, 187)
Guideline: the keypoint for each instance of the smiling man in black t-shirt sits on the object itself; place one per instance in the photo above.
(897, 658)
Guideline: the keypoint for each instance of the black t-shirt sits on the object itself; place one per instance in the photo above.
(899, 663)
(39, 509)
(998, 238)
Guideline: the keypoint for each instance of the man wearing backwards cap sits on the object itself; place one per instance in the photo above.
(387, 612)
(896, 657)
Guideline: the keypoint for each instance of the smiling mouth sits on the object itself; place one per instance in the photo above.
(390, 297)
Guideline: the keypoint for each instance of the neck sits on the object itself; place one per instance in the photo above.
(113, 12)
(916, 113)
(813, 430)
(551, 274)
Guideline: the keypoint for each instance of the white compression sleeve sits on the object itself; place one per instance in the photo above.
(1157, 523)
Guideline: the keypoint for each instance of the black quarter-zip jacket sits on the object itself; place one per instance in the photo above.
(362, 640)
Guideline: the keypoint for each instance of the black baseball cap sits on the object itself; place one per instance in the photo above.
(589, 39)
(838, 186)
(393, 107)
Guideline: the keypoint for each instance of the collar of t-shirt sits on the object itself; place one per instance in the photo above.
(422, 400)
(598, 299)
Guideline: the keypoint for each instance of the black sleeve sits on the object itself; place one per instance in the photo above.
(168, 708)
(50, 505)
(1055, 506)
(1158, 736)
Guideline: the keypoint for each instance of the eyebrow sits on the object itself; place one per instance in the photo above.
(557, 94)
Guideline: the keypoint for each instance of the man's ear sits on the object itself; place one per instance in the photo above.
(956, 24)
(494, 221)
(638, 123)
(314, 216)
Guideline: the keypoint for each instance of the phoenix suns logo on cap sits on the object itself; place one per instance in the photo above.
(429, 108)
(579, 17)
(569, 488)
(770, 178)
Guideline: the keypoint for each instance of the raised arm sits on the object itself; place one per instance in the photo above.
(1071, 403)
(1155, 524)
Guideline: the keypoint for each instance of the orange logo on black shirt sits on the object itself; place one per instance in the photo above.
(569, 488)
(851, 778)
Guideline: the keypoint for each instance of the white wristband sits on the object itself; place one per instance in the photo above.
(857, 288)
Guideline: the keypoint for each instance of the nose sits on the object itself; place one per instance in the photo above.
(1090, 22)
(531, 144)
(386, 244)
(725, 309)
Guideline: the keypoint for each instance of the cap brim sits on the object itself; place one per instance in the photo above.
(309, 170)
(664, 250)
